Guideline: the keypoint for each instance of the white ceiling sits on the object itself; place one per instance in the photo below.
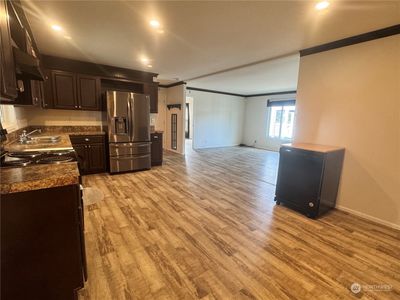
(271, 76)
(202, 37)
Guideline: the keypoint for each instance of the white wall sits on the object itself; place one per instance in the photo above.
(176, 95)
(217, 119)
(351, 97)
(256, 122)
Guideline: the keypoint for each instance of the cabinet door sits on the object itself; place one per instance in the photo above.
(83, 160)
(64, 90)
(151, 89)
(36, 92)
(97, 158)
(156, 149)
(47, 90)
(88, 92)
(8, 90)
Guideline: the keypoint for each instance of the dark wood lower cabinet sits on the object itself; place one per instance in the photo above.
(156, 149)
(42, 244)
(91, 152)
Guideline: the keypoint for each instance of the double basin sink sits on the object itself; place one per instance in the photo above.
(43, 139)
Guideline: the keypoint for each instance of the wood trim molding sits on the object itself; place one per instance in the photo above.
(171, 84)
(104, 71)
(272, 94)
(241, 95)
(356, 39)
(213, 91)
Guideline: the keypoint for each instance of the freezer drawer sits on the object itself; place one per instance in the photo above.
(129, 163)
(129, 148)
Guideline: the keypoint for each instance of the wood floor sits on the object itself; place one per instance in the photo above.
(206, 227)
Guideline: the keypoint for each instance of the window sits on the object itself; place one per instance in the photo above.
(281, 120)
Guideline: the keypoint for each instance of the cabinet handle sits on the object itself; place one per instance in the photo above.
(89, 146)
(76, 106)
(155, 137)
(80, 106)
(87, 140)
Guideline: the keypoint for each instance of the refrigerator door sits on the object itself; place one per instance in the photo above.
(140, 112)
(119, 116)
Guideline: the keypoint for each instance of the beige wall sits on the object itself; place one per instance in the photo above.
(176, 95)
(55, 117)
(351, 97)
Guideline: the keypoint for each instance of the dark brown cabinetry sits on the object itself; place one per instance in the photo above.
(88, 92)
(8, 89)
(64, 90)
(32, 94)
(72, 91)
(91, 153)
(42, 245)
(156, 148)
(151, 89)
(308, 177)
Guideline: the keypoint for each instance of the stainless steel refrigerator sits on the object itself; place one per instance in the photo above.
(128, 116)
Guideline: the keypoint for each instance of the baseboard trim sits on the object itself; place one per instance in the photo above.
(368, 217)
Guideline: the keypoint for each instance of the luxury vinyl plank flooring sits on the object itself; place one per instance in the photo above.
(205, 226)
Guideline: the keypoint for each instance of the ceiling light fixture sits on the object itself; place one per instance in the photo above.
(322, 5)
(56, 27)
(67, 37)
(154, 24)
(145, 60)
(149, 66)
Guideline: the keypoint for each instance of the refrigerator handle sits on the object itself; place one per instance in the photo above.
(129, 120)
(132, 108)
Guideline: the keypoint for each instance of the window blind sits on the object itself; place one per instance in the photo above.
(281, 103)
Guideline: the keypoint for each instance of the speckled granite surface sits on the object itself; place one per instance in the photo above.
(38, 177)
(35, 177)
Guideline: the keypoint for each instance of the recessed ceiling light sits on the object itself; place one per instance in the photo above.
(67, 37)
(149, 66)
(160, 31)
(145, 60)
(322, 5)
(154, 23)
(56, 27)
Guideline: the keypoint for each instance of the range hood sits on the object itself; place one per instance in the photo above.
(27, 65)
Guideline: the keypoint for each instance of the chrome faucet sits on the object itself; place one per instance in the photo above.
(24, 137)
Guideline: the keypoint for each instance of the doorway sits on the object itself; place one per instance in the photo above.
(189, 123)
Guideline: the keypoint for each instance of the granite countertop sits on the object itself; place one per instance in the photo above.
(313, 147)
(38, 177)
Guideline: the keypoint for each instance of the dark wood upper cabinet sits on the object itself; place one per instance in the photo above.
(88, 92)
(64, 90)
(32, 94)
(8, 89)
(151, 89)
(47, 97)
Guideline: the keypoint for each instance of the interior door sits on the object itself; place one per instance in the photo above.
(140, 125)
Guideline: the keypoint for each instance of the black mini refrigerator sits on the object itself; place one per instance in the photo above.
(308, 177)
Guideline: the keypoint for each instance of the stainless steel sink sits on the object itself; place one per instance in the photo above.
(43, 139)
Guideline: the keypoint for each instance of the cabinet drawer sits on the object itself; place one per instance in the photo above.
(129, 149)
(86, 139)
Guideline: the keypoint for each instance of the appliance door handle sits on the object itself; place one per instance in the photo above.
(129, 118)
(132, 106)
